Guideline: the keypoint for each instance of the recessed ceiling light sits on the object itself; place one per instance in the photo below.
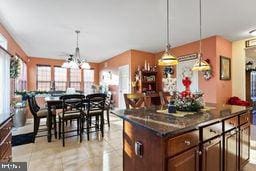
(253, 32)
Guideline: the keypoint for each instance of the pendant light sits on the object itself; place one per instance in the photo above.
(167, 59)
(200, 65)
(76, 61)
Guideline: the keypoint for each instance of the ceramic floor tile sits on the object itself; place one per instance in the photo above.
(23, 149)
(80, 166)
(107, 161)
(116, 143)
(25, 129)
(120, 168)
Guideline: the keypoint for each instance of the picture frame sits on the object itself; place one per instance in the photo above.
(225, 68)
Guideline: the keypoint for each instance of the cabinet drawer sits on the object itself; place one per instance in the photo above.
(5, 129)
(230, 123)
(244, 118)
(212, 131)
(7, 156)
(182, 143)
(5, 145)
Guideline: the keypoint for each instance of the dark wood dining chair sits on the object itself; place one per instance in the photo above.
(72, 108)
(135, 100)
(95, 106)
(39, 114)
(108, 106)
(165, 97)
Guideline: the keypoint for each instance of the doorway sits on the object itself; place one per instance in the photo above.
(250, 79)
(124, 84)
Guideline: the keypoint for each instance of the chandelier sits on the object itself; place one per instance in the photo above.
(76, 61)
(167, 59)
(200, 65)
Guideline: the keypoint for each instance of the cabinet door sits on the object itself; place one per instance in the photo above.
(187, 160)
(244, 144)
(231, 151)
(212, 155)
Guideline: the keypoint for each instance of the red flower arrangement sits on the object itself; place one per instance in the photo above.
(187, 101)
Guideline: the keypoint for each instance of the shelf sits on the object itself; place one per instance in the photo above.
(149, 72)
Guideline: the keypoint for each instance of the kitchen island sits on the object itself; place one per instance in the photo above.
(213, 139)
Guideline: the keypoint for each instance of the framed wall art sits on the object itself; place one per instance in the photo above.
(225, 68)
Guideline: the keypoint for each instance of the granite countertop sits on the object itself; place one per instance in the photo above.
(168, 125)
(4, 117)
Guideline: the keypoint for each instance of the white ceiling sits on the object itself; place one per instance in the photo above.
(45, 28)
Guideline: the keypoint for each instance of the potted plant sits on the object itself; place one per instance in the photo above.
(19, 107)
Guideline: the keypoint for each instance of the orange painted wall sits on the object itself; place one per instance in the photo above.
(212, 48)
(133, 58)
(13, 46)
(138, 58)
(209, 51)
(224, 87)
(112, 65)
(34, 61)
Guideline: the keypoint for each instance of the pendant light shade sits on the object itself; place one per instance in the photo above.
(201, 65)
(167, 59)
(85, 65)
(65, 64)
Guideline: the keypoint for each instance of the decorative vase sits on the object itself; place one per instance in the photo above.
(171, 107)
(19, 118)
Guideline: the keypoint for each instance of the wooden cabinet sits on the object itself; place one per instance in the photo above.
(211, 131)
(231, 150)
(5, 141)
(220, 146)
(182, 143)
(151, 149)
(188, 160)
(147, 82)
(212, 155)
(244, 144)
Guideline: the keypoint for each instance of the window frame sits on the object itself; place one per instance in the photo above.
(80, 82)
(24, 81)
(42, 65)
(54, 81)
(6, 43)
(88, 82)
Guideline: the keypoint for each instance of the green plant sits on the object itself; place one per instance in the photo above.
(189, 103)
(14, 67)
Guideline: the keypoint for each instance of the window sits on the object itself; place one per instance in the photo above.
(3, 42)
(75, 79)
(43, 78)
(88, 81)
(4, 82)
(21, 81)
(60, 78)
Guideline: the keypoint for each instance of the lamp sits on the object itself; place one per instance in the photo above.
(200, 65)
(167, 59)
(76, 61)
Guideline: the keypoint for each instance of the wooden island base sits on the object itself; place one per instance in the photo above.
(219, 145)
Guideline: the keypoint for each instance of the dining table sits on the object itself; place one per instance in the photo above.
(52, 103)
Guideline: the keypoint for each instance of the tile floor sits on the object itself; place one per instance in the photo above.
(98, 154)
